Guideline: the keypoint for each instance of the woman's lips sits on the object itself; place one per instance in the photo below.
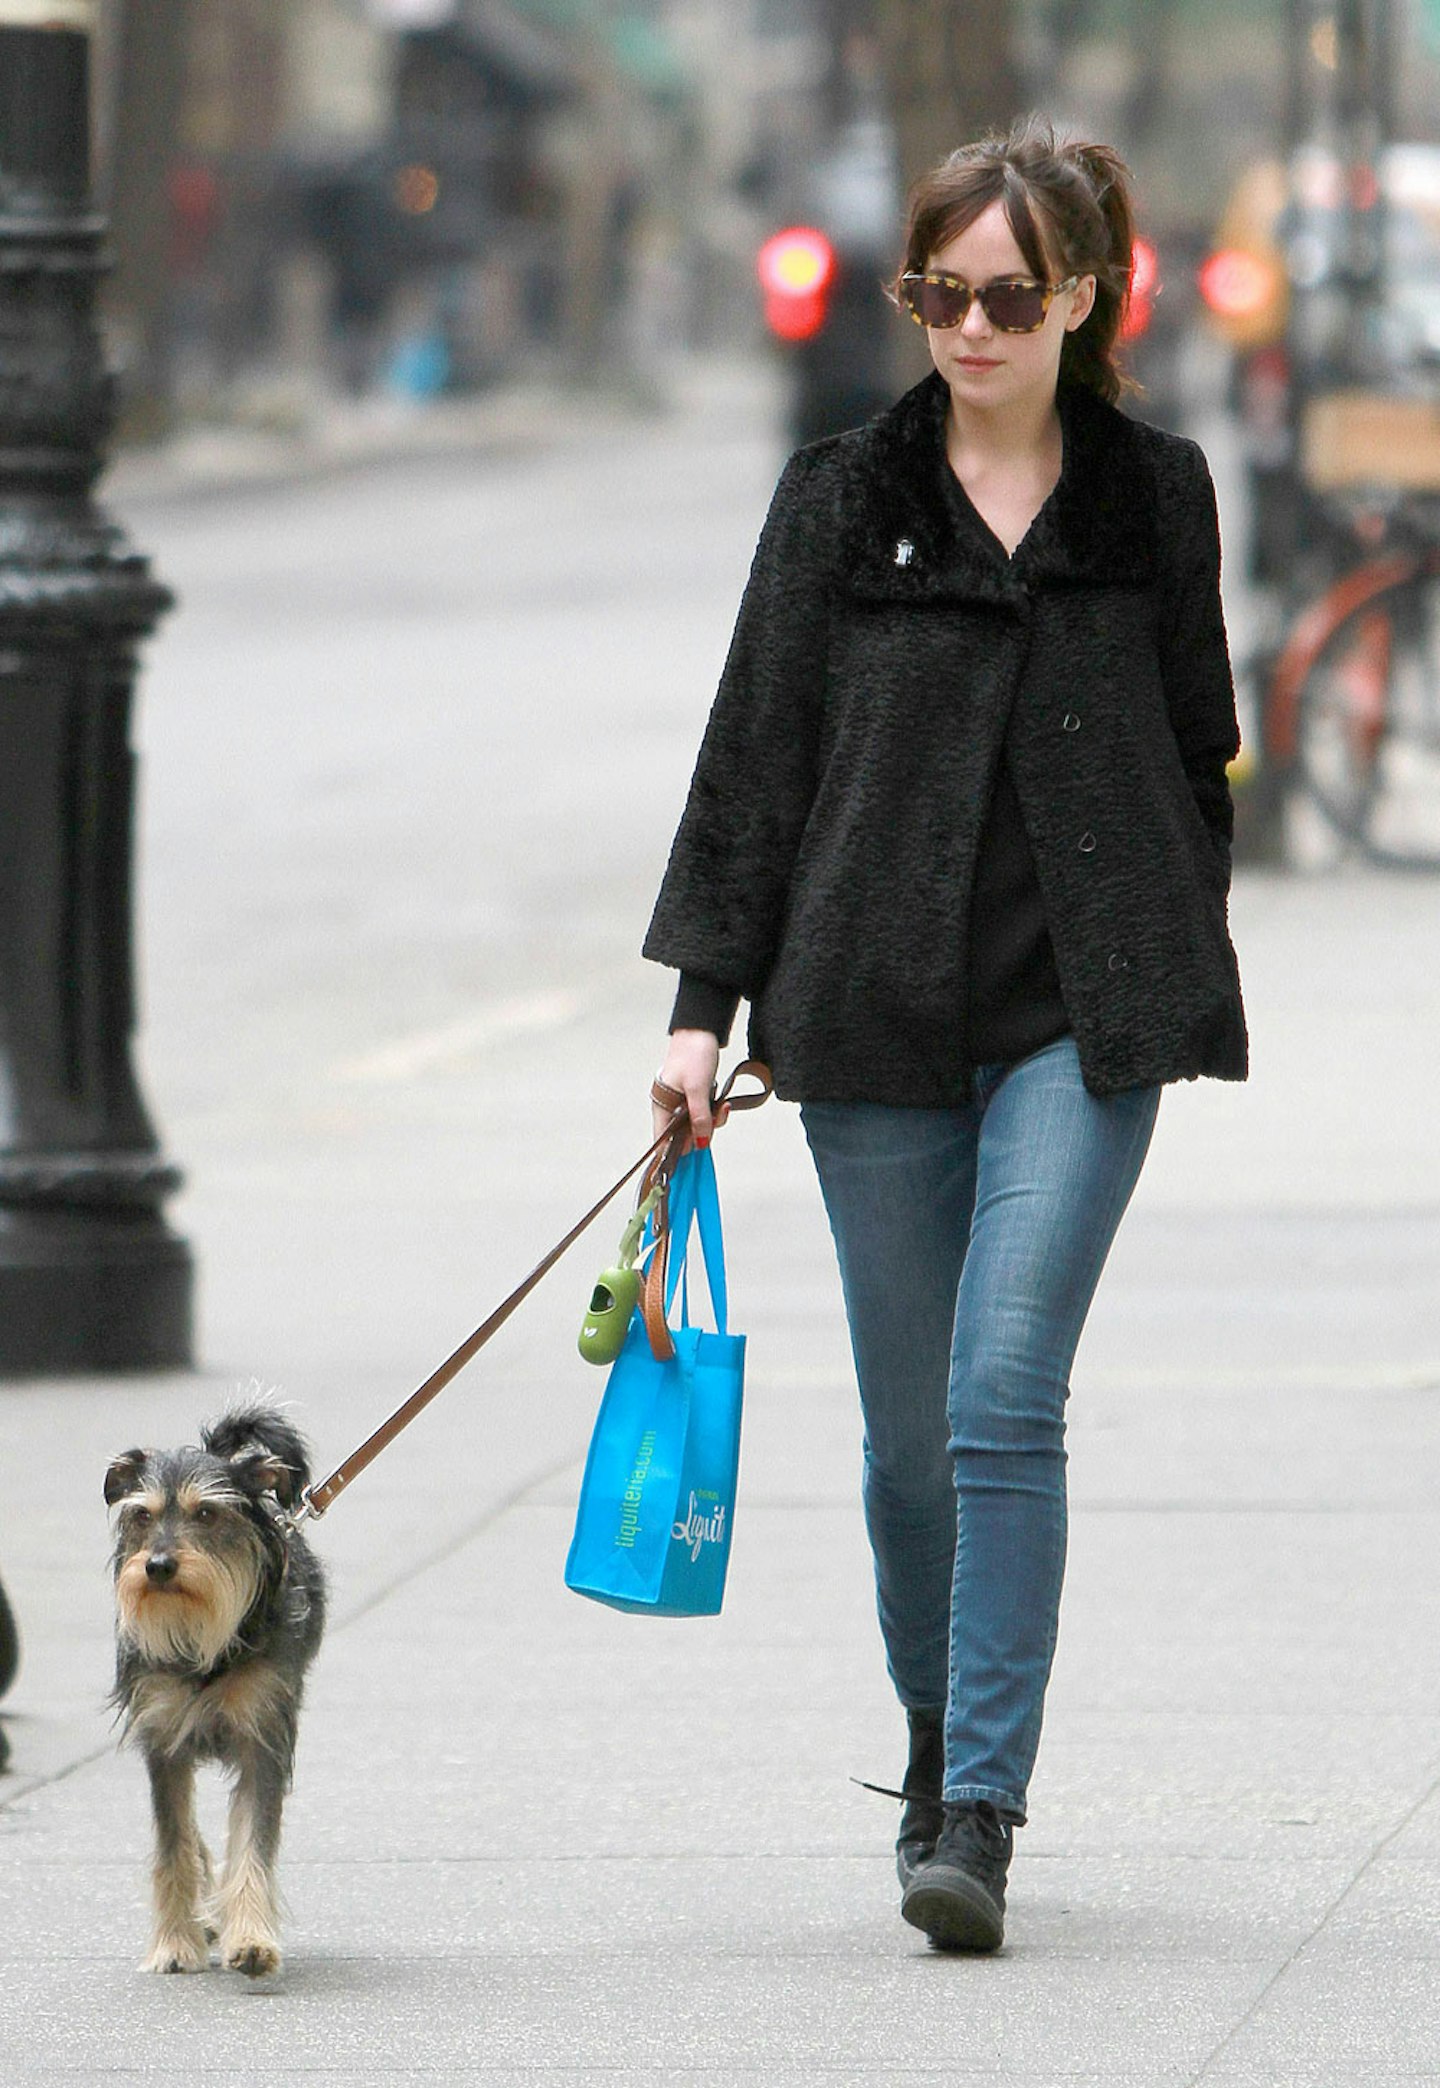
(978, 362)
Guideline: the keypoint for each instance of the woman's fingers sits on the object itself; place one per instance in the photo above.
(702, 1123)
(690, 1067)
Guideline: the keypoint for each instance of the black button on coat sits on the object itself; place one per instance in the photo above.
(825, 861)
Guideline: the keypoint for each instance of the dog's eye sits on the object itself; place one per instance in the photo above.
(205, 1512)
(141, 1517)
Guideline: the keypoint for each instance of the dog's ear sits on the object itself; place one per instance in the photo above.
(123, 1477)
(257, 1472)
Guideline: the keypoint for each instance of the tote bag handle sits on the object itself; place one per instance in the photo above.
(692, 1196)
(695, 1199)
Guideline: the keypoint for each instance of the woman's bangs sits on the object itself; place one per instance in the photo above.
(946, 216)
(1025, 223)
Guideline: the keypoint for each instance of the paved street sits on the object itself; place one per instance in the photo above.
(413, 749)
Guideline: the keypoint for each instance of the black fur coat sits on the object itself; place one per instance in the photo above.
(880, 663)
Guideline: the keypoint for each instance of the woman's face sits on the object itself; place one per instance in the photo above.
(983, 367)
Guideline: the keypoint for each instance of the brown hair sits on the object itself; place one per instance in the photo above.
(1070, 209)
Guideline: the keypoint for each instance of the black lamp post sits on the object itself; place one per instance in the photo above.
(91, 1277)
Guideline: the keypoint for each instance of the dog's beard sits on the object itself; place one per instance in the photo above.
(192, 1619)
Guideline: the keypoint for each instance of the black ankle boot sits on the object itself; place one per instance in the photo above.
(958, 1897)
(924, 1815)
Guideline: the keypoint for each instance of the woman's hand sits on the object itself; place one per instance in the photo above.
(692, 1061)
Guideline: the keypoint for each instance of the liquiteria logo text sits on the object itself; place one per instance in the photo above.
(699, 1528)
(630, 1499)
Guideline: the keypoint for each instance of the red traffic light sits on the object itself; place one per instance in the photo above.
(1237, 284)
(796, 262)
(1144, 289)
(796, 268)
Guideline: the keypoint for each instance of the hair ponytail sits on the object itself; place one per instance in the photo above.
(1070, 208)
(1089, 354)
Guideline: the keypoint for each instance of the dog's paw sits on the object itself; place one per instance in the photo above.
(185, 1951)
(256, 1960)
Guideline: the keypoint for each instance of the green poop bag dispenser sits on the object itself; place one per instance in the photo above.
(616, 1293)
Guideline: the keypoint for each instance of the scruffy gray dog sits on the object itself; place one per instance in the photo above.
(219, 1608)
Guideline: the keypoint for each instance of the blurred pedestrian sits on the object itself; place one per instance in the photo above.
(960, 832)
(350, 217)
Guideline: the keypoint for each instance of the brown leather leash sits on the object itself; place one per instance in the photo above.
(658, 1160)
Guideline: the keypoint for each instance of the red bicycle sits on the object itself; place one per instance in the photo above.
(1349, 705)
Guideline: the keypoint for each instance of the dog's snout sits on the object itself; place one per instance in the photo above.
(161, 1567)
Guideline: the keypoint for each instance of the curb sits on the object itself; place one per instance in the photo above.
(206, 461)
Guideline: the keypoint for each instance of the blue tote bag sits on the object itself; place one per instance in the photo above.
(657, 1503)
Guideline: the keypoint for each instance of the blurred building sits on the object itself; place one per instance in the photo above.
(428, 195)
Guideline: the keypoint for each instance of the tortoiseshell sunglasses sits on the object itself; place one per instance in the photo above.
(1012, 304)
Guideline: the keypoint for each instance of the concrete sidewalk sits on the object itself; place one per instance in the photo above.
(535, 1841)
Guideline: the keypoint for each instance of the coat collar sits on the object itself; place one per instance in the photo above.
(1097, 528)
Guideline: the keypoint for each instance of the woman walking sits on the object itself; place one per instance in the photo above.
(960, 833)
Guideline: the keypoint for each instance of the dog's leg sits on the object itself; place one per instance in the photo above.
(248, 1902)
(178, 1942)
(209, 1893)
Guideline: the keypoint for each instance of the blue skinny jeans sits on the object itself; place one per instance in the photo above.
(970, 1244)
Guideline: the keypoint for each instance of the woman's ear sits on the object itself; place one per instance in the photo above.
(1083, 305)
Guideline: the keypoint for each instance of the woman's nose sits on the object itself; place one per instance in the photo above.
(975, 325)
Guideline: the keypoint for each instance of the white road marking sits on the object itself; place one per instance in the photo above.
(526, 1015)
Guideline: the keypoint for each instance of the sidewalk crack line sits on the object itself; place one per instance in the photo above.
(1321, 1925)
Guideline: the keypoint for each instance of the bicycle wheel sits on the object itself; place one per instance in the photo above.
(1363, 679)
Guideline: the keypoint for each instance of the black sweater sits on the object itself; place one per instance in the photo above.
(1013, 1002)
